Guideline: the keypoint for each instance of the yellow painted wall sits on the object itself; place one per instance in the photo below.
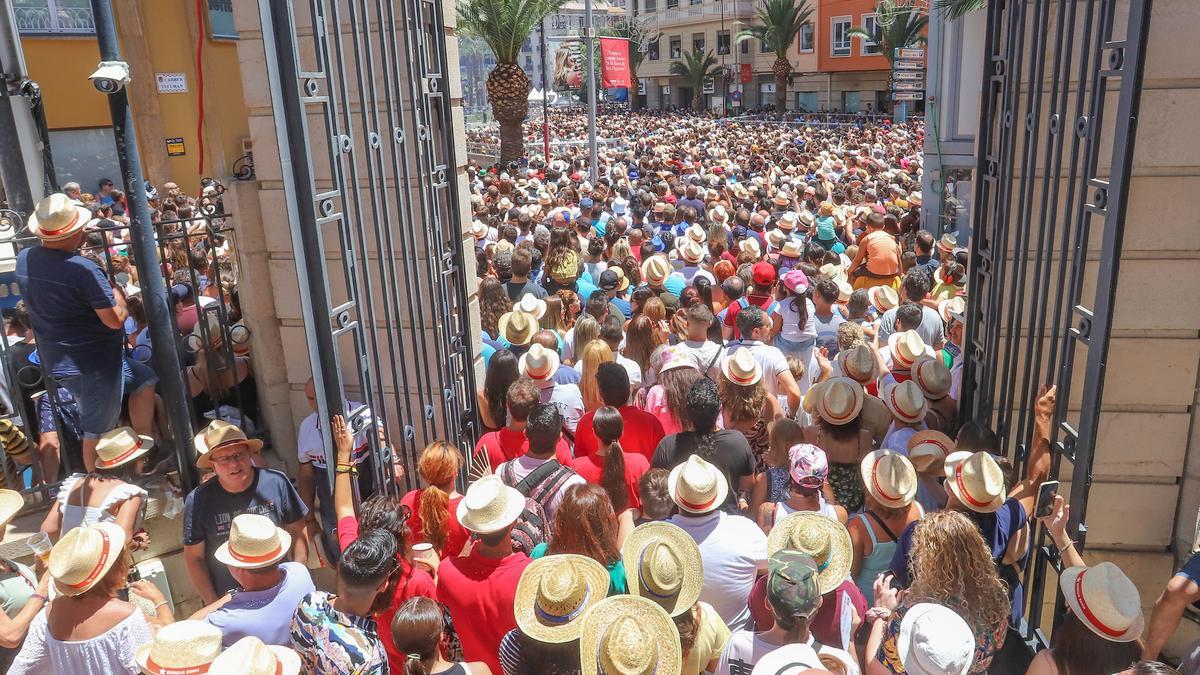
(61, 66)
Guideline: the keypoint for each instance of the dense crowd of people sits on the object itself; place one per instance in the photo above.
(720, 435)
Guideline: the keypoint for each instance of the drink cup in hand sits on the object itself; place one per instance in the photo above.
(40, 544)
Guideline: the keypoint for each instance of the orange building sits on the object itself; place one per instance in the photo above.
(855, 69)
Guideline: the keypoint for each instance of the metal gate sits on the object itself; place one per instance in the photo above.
(362, 108)
(1049, 216)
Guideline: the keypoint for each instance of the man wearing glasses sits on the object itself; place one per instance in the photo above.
(238, 487)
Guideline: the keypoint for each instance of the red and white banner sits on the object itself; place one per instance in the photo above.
(747, 75)
(614, 62)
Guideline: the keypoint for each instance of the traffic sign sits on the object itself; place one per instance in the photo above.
(908, 86)
(907, 95)
(908, 75)
(909, 65)
(910, 53)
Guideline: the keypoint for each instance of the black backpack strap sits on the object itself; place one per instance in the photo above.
(535, 477)
(882, 524)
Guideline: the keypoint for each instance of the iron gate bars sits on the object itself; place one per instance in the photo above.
(1047, 68)
(362, 110)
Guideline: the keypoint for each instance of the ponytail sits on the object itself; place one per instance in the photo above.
(438, 465)
(434, 511)
(609, 425)
(414, 665)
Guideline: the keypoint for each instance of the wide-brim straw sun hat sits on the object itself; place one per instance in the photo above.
(629, 635)
(532, 305)
(11, 503)
(697, 486)
(976, 480)
(742, 369)
(1104, 600)
(906, 347)
(489, 506)
(822, 537)
(775, 239)
(180, 648)
(792, 248)
(859, 364)
(932, 376)
(553, 594)
(254, 542)
(663, 564)
(889, 477)
(539, 363)
(251, 656)
(882, 298)
(518, 328)
(84, 555)
(691, 252)
(840, 401)
(220, 434)
(928, 449)
(656, 269)
(947, 243)
(905, 401)
(750, 245)
(934, 640)
(57, 217)
(952, 309)
(121, 446)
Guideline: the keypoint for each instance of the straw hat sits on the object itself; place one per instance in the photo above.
(806, 218)
(742, 369)
(539, 363)
(859, 364)
(876, 418)
(1104, 600)
(629, 635)
(691, 252)
(254, 542)
(934, 640)
(840, 401)
(57, 217)
(928, 449)
(822, 537)
(889, 477)
(84, 555)
(518, 328)
(791, 249)
(835, 272)
(220, 434)
(532, 305)
(553, 594)
(250, 656)
(845, 290)
(489, 506)
(696, 233)
(505, 204)
(952, 308)
(663, 564)
(655, 270)
(751, 245)
(947, 243)
(932, 376)
(788, 221)
(121, 446)
(777, 238)
(976, 480)
(180, 648)
(905, 347)
(905, 401)
(479, 229)
(882, 298)
(781, 200)
(697, 486)
(11, 502)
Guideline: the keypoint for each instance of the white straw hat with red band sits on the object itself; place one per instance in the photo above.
(928, 449)
(697, 486)
(539, 363)
(251, 656)
(905, 401)
(121, 446)
(889, 478)
(933, 377)
(840, 401)
(254, 541)
(741, 368)
(84, 555)
(976, 480)
(57, 217)
(180, 648)
(1104, 600)
(906, 347)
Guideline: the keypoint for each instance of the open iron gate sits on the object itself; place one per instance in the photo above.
(363, 115)
(1049, 216)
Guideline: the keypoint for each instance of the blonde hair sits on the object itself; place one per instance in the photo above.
(782, 434)
(952, 566)
(594, 353)
(849, 336)
(740, 402)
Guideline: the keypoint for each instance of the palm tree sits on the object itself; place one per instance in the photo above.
(505, 25)
(781, 21)
(956, 9)
(695, 68)
(907, 29)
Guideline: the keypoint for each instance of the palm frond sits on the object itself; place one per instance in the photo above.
(503, 24)
(695, 67)
(778, 24)
(956, 9)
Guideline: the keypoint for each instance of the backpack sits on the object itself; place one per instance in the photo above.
(542, 483)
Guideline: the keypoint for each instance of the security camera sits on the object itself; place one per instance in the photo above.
(110, 77)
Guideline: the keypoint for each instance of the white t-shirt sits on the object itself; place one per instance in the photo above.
(897, 438)
(311, 448)
(568, 399)
(769, 358)
(745, 648)
(790, 331)
(631, 367)
(704, 352)
(733, 549)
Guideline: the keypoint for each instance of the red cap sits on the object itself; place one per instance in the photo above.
(763, 273)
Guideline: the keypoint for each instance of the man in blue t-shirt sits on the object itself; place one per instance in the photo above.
(79, 320)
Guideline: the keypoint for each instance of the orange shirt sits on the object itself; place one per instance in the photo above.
(883, 253)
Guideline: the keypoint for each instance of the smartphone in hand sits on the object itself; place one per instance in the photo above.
(1045, 500)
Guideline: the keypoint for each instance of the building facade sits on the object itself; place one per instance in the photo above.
(855, 70)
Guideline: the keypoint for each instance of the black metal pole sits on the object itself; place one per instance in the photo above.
(154, 292)
(12, 162)
(545, 95)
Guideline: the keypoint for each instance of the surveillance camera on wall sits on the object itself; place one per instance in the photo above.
(110, 77)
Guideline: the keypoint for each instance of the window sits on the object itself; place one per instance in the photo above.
(722, 42)
(694, 2)
(653, 50)
(839, 41)
(869, 47)
(86, 155)
(697, 42)
(676, 46)
(651, 5)
(672, 4)
(806, 101)
(745, 46)
(54, 16)
(851, 101)
(763, 48)
(806, 37)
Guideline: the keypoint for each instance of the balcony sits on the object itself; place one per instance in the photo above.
(54, 16)
(706, 11)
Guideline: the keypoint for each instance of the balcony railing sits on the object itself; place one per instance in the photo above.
(52, 17)
(705, 11)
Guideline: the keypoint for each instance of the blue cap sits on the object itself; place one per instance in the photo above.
(658, 243)
(586, 203)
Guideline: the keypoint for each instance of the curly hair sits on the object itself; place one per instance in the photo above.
(585, 524)
(952, 565)
(438, 465)
(493, 303)
(740, 402)
(566, 319)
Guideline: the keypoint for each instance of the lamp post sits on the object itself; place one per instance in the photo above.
(593, 153)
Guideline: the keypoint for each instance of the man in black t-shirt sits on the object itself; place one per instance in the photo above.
(520, 285)
(727, 450)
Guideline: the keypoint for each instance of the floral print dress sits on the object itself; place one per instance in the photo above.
(330, 641)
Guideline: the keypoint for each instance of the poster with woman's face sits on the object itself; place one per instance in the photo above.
(568, 65)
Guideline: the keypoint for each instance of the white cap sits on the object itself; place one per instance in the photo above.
(933, 640)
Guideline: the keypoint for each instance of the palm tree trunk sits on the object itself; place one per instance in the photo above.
(508, 91)
(698, 99)
(633, 86)
(780, 94)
